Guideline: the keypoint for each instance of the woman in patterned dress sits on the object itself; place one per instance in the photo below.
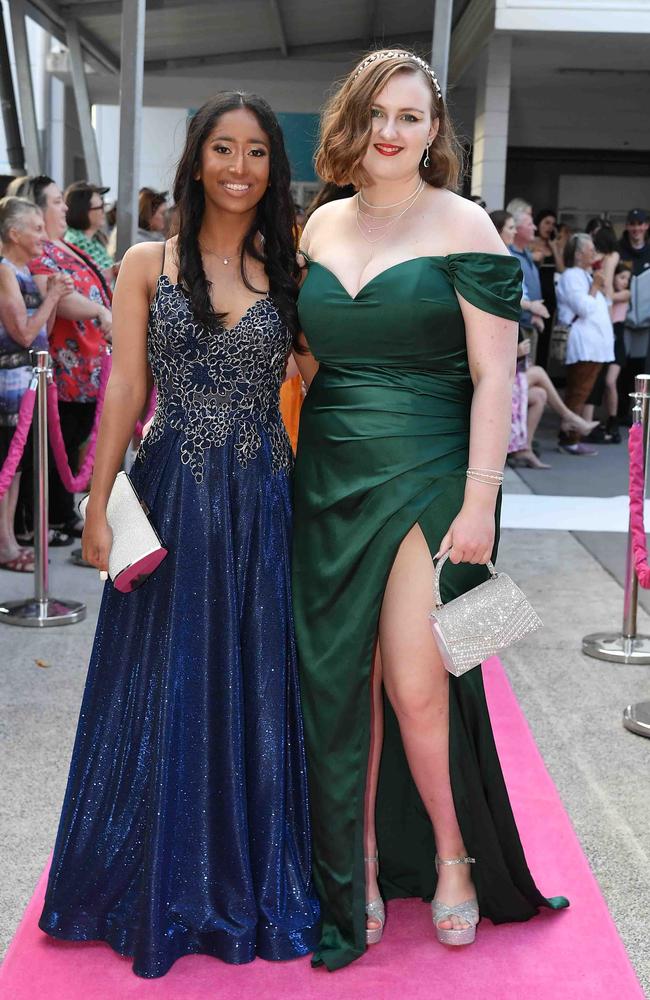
(24, 318)
(78, 342)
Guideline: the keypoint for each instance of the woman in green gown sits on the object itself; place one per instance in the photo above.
(409, 310)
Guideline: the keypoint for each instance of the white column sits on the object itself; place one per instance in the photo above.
(131, 86)
(442, 19)
(25, 88)
(491, 122)
(82, 101)
(56, 147)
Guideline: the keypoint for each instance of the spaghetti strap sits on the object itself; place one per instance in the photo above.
(162, 269)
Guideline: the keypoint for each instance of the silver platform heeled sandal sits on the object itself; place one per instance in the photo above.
(467, 911)
(375, 910)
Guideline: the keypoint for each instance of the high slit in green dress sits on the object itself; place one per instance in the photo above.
(384, 438)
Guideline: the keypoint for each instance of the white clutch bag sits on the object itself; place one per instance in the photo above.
(137, 549)
(481, 622)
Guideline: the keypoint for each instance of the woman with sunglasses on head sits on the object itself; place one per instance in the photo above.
(185, 825)
(409, 308)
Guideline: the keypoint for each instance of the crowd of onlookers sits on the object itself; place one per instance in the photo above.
(57, 271)
(584, 323)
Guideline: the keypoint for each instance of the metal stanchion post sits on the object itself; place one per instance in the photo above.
(636, 718)
(626, 646)
(41, 611)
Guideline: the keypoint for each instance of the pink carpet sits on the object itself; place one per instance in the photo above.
(572, 955)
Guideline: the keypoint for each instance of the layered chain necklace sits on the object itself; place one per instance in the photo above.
(383, 223)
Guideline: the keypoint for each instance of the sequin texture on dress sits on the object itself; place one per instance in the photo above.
(185, 825)
(218, 383)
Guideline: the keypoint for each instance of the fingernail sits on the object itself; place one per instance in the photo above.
(103, 575)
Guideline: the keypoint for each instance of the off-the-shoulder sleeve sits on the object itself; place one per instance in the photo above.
(490, 281)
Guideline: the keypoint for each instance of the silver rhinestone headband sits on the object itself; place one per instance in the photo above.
(393, 54)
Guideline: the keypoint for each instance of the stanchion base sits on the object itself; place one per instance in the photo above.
(616, 648)
(42, 614)
(77, 558)
(636, 718)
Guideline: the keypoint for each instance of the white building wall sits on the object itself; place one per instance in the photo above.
(618, 16)
(491, 122)
(163, 137)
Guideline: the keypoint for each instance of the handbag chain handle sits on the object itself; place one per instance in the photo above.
(436, 578)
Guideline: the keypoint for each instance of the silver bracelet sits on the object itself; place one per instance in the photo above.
(488, 478)
(486, 482)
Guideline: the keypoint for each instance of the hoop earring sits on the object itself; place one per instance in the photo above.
(427, 162)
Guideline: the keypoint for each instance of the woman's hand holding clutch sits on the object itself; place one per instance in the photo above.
(470, 537)
(96, 540)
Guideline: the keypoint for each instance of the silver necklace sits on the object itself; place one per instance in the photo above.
(386, 225)
(224, 260)
(376, 218)
(395, 204)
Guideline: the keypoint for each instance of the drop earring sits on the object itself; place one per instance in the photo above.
(427, 162)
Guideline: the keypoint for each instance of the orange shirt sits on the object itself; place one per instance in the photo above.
(290, 404)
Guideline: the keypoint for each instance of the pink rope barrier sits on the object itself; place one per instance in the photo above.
(79, 482)
(637, 490)
(17, 446)
(25, 415)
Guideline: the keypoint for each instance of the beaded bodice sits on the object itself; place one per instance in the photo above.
(217, 385)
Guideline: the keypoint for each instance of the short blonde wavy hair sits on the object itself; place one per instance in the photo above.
(346, 125)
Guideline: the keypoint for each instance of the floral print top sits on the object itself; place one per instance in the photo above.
(76, 346)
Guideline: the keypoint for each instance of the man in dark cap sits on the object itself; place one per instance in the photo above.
(634, 245)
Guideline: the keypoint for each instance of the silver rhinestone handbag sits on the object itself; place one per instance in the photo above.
(481, 622)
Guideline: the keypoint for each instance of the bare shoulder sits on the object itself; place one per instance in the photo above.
(142, 265)
(324, 220)
(468, 227)
(143, 256)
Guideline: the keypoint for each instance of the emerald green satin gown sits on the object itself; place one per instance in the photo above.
(384, 437)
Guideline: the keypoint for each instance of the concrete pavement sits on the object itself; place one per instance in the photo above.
(573, 704)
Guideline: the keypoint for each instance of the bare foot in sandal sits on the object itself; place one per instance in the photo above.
(22, 563)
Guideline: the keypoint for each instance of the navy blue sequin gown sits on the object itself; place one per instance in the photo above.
(185, 824)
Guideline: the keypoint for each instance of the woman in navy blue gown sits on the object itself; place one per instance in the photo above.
(185, 824)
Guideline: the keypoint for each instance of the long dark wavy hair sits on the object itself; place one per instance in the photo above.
(274, 218)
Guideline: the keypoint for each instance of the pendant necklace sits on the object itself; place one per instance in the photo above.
(224, 260)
